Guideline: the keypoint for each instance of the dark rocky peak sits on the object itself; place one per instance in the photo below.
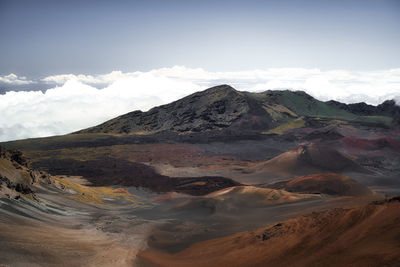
(209, 96)
(362, 109)
(387, 108)
(219, 89)
(216, 108)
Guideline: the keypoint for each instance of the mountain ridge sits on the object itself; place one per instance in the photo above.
(223, 107)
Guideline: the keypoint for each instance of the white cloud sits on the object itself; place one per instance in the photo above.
(90, 79)
(76, 103)
(14, 79)
(369, 86)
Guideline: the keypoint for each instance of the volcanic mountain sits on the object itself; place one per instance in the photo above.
(213, 109)
(224, 108)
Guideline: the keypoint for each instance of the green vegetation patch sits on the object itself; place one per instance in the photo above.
(305, 106)
(376, 119)
(279, 112)
(292, 124)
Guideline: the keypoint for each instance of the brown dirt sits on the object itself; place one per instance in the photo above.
(324, 183)
(365, 236)
(44, 245)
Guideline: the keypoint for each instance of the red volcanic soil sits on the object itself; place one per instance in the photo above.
(363, 236)
(327, 183)
(352, 142)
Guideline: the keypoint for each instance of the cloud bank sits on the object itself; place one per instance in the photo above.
(80, 101)
(13, 79)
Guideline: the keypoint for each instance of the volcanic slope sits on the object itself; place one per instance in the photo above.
(51, 221)
(324, 183)
(307, 159)
(318, 239)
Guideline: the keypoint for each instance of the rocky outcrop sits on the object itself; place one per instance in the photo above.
(16, 177)
(19, 187)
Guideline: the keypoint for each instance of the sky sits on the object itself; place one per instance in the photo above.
(62, 59)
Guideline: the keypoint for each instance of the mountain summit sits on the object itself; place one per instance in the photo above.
(222, 107)
(216, 108)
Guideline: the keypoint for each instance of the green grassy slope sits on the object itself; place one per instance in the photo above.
(303, 104)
